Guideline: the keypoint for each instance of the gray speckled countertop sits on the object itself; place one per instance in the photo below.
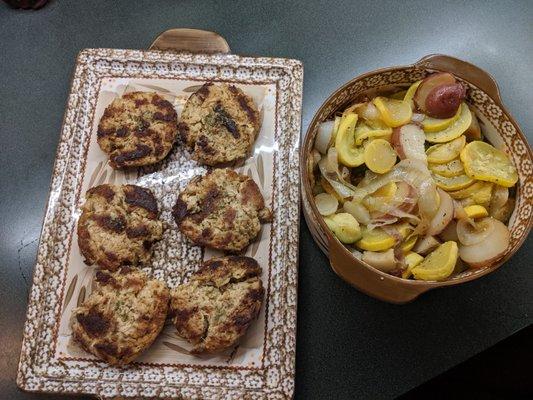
(349, 345)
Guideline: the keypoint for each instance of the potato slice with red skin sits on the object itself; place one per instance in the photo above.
(428, 84)
(489, 250)
(408, 142)
(444, 100)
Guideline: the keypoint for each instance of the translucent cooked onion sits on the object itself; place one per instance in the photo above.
(443, 216)
(359, 212)
(418, 117)
(370, 112)
(328, 167)
(417, 175)
(470, 234)
(326, 204)
(323, 136)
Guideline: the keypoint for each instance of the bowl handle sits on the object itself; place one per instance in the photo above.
(191, 40)
(465, 70)
(379, 285)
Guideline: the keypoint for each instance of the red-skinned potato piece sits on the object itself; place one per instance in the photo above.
(428, 84)
(444, 100)
(408, 142)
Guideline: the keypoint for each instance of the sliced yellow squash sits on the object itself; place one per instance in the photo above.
(456, 129)
(453, 183)
(435, 124)
(444, 153)
(452, 168)
(364, 131)
(381, 197)
(409, 243)
(412, 260)
(439, 264)
(379, 156)
(393, 112)
(486, 163)
(375, 240)
(398, 95)
(344, 226)
(476, 211)
(349, 154)
(411, 93)
(478, 193)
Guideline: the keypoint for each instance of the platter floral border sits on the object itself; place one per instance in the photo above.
(39, 370)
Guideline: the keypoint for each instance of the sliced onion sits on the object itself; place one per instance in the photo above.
(329, 169)
(450, 232)
(418, 117)
(332, 160)
(426, 245)
(345, 173)
(470, 234)
(384, 221)
(370, 112)
(459, 211)
(326, 204)
(323, 136)
(359, 212)
(417, 175)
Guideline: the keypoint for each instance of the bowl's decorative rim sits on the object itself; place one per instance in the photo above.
(492, 108)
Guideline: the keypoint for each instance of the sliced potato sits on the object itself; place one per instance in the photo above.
(344, 226)
(379, 156)
(439, 264)
(444, 153)
(456, 129)
(486, 163)
(349, 154)
(326, 203)
(453, 183)
(490, 249)
(425, 245)
(450, 169)
(393, 112)
(382, 260)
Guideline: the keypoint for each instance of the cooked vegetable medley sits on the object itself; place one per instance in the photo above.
(408, 181)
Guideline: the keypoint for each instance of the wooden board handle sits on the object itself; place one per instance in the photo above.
(191, 41)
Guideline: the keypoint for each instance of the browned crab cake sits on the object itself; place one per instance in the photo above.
(137, 129)
(118, 225)
(215, 308)
(122, 316)
(219, 124)
(222, 210)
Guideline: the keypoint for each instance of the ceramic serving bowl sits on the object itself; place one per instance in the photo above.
(500, 129)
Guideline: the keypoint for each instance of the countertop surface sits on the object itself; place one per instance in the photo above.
(349, 345)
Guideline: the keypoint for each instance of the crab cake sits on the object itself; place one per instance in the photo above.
(137, 129)
(219, 124)
(215, 308)
(222, 210)
(118, 226)
(122, 316)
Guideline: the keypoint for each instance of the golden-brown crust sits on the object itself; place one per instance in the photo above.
(219, 125)
(137, 129)
(118, 225)
(218, 304)
(222, 210)
(122, 316)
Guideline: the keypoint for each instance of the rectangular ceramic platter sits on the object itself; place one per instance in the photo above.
(262, 366)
